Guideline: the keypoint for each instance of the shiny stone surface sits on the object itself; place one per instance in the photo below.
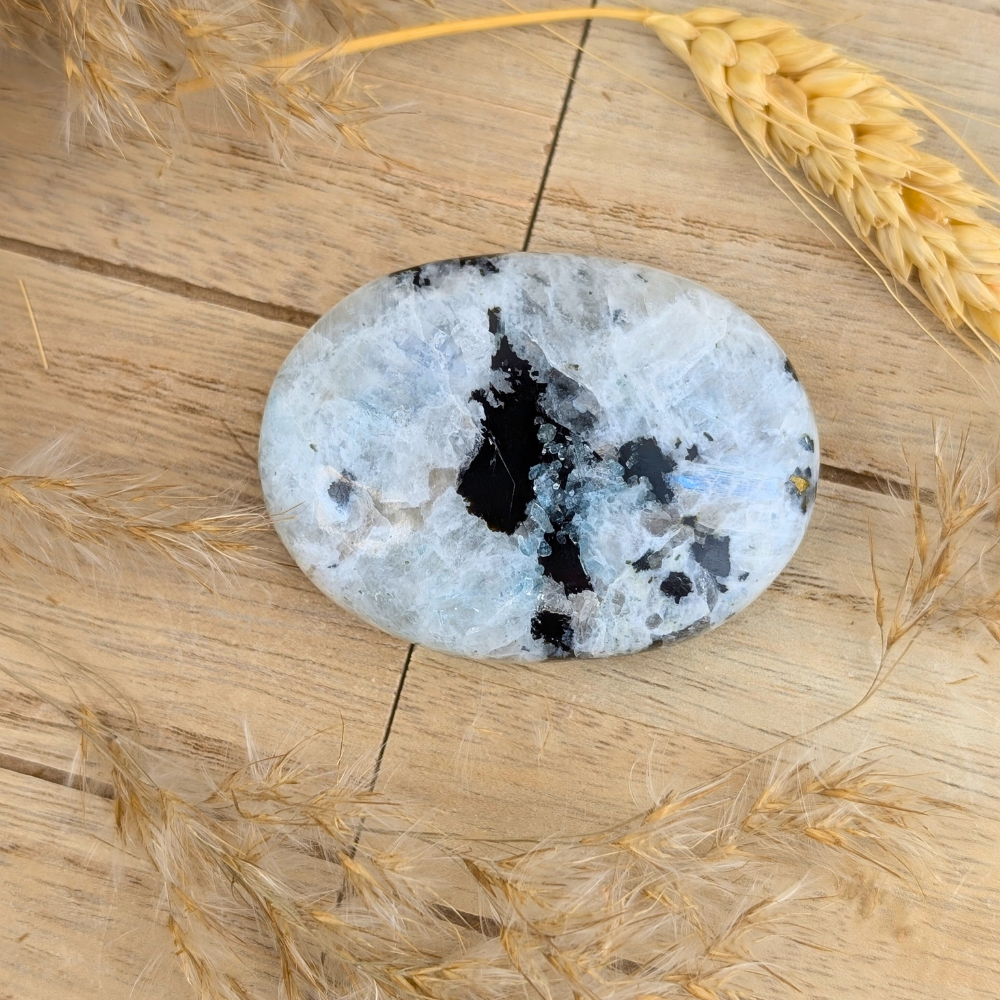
(535, 455)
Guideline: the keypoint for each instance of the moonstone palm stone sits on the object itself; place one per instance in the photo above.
(539, 455)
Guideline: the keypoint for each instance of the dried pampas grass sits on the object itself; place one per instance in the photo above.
(948, 572)
(56, 511)
(281, 876)
(836, 130)
(126, 62)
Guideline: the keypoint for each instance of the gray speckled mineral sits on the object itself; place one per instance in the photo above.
(538, 455)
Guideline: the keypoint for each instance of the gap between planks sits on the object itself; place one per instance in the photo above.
(529, 232)
(105, 790)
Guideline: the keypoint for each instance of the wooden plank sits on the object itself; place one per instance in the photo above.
(469, 145)
(639, 177)
(489, 749)
(502, 750)
(77, 916)
(144, 381)
(81, 918)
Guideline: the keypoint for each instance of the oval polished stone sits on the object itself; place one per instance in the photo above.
(536, 455)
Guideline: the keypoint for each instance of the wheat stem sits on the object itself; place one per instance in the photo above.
(385, 39)
(402, 36)
(796, 103)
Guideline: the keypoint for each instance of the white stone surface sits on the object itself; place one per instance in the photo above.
(403, 444)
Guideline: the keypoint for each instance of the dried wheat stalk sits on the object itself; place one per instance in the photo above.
(799, 104)
(54, 511)
(796, 103)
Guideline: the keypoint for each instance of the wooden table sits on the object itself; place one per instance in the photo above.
(168, 290)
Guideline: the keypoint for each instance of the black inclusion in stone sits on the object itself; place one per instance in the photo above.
(554, 629)
(677, 586)
(642, 459)
(563, 563)
(486, 265)
(790, 370)
(496, 485)
(493, 318)
(340, 490)
(647, 561)
(713, 554)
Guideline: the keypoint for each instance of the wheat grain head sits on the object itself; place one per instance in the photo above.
(798, 104)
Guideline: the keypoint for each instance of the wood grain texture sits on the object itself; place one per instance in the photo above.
(77, 915)
(500, 750)
(223, 256)
(468, 145)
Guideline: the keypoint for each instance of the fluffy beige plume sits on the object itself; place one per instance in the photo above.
(125, 60)
(286, 876)
(56, 511)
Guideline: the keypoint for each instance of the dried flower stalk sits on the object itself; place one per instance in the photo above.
(943, 579)
(54, 511)
(125, 61)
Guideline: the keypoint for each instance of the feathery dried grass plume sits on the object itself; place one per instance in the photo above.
(281, 875)
(954, 533)
(126, 61)
(54, 511)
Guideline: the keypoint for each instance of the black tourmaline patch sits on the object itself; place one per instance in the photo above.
(554, 629)
(677, 586)
(648, 560)
(419, 277)
(497, 484)
(340, 490)
(414, 276)
(642, 459)
(563, 564)
(486, 265)
(713, 554)
(790, 370)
